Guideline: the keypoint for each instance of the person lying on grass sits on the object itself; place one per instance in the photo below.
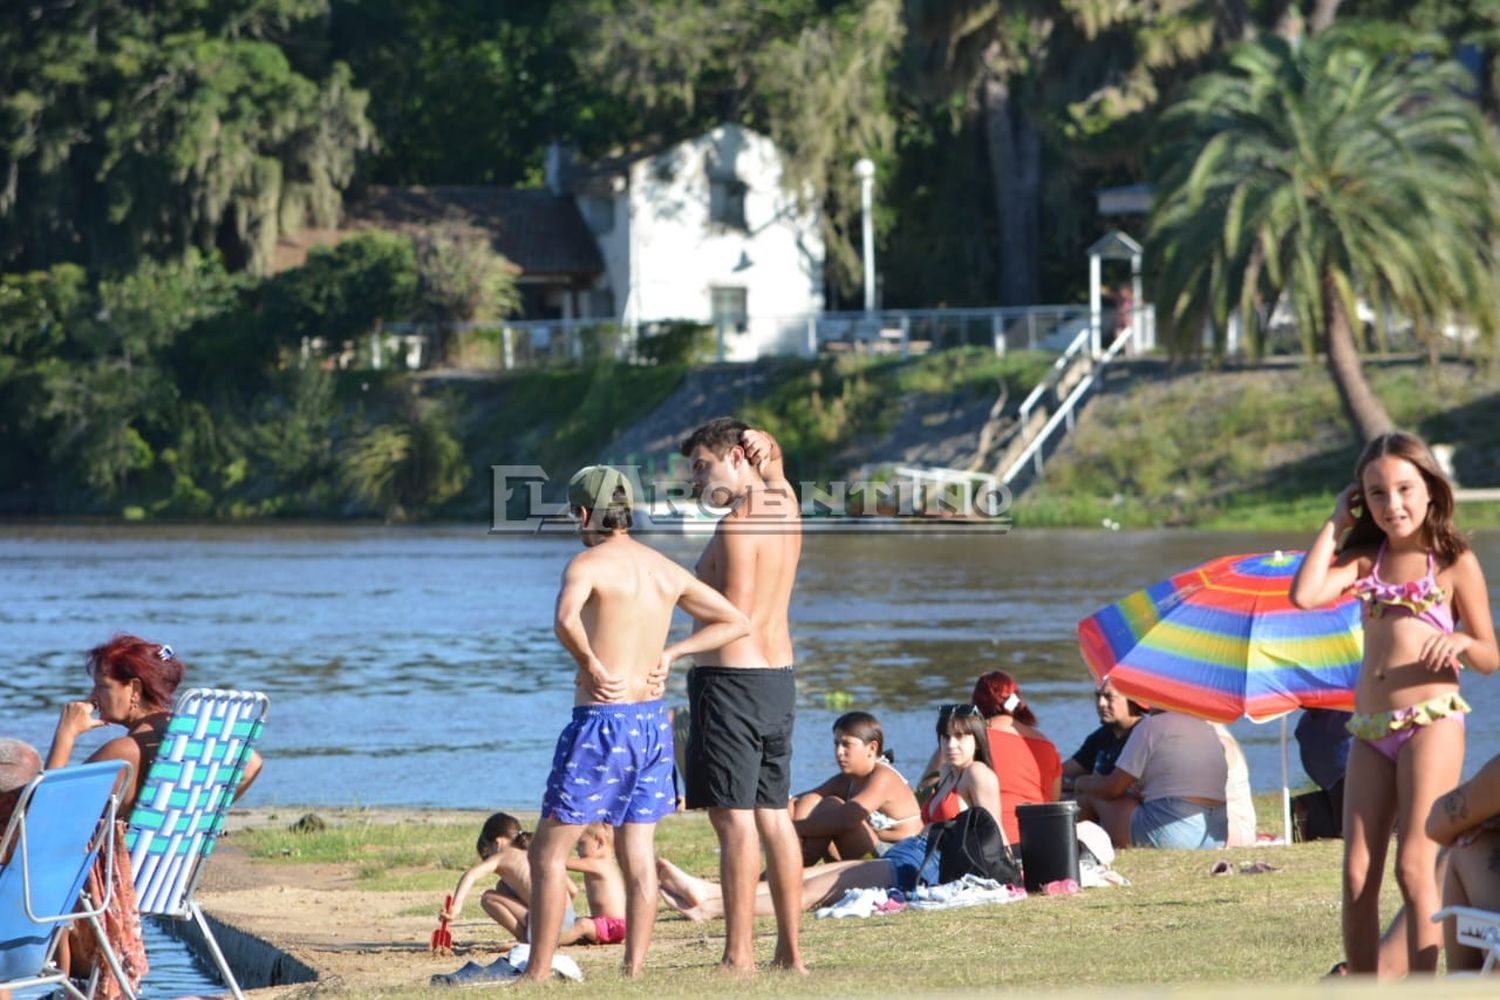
(502, 854)
(965, 781)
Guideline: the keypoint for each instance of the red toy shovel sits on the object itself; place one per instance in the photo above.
(442, 938)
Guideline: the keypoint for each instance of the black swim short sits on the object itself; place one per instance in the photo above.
(739, 751)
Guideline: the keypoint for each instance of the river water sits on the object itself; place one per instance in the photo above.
(417, 666)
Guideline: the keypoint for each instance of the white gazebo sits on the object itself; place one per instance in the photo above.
(1115, 245)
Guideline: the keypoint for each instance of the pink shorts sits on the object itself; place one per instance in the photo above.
(611, 930)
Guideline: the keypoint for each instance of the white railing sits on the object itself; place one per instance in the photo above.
(512, 344)
(1059, 366)
(1065, 412)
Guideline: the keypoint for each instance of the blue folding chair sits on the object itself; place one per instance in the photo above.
(179, 814)
(52, 840)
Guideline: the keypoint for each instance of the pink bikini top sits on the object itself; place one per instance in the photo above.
(1421, 599)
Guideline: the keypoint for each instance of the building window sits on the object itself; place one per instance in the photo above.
(726, 201)
(728, 309)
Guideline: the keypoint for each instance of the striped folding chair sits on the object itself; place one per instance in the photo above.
(180, 812)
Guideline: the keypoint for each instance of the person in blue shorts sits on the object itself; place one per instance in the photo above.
(613, 763)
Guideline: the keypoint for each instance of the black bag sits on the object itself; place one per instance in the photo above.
(972, 843)
(1317, 815)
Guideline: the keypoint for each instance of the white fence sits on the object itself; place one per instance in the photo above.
(563, 343)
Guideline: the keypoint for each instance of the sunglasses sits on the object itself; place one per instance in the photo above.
(962, 711)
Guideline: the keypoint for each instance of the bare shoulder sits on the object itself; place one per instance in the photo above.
(980, 776)
(1362, 556)
(125, 748)
(666, 566)
(1466, 570)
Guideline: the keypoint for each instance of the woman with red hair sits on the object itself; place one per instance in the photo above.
(134, 683)
(1025, 761)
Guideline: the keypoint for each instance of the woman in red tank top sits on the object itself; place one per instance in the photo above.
(1025, 761)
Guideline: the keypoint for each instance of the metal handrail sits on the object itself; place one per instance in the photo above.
(1065, 410)
(1055, 374)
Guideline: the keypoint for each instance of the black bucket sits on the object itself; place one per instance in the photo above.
(1049, 842)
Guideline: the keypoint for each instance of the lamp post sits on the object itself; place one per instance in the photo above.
(865, 171)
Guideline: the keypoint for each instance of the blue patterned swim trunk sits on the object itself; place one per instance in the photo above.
(613, 765)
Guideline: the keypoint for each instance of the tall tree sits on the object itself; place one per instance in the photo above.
(1332, 172)
(812, 74)
(1059, 86)
(131, 131)
(471, 91)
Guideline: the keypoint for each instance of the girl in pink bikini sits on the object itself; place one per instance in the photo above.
(1426, 616)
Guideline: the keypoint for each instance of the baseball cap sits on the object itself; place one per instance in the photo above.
(594, 487)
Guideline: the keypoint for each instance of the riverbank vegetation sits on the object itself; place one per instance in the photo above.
(1173, 926)
(153, 364)
(1262, 449)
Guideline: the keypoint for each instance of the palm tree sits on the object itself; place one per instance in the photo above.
(1333, 171)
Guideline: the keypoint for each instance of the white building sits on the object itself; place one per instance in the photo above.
(705, 231)
(701, 231)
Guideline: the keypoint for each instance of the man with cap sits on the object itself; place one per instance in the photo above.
(614, 758)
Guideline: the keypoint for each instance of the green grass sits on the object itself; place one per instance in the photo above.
(1258, 450)
(816, 408)
(1173, 926)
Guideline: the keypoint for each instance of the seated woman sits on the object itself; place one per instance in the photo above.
(134, 683)
(965, 781)
(1025, 761)
(863, 809)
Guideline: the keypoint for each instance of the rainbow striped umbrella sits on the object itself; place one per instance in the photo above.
(1223, 641)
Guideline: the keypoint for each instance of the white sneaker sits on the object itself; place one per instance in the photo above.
(857, 903)
(562, 965)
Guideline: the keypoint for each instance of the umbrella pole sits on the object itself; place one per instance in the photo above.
(1286, 791)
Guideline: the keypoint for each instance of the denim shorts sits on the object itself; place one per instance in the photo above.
(1178, 823)
(905, 859)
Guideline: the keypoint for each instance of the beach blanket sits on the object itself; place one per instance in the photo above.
(971, 890)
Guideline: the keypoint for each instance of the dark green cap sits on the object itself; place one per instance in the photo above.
(594, 487)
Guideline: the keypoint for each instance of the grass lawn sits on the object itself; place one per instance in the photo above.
(1174, 926)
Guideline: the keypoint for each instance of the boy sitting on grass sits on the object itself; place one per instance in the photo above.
(603, 885)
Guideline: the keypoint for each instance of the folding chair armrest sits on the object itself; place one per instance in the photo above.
(1491, 917)
(107, 845)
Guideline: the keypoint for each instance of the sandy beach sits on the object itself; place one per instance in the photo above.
(361, 927)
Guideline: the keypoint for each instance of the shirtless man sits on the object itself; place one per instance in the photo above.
(743, 696)
(614, 759)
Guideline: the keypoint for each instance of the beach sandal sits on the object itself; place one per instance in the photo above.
(1338, 969)
(458, 976)
(498, 971)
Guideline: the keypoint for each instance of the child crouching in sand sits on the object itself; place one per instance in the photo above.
(502, 853)
(603, 885)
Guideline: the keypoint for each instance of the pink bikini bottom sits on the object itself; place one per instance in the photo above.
(1391, 743)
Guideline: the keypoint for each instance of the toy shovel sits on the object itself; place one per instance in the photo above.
(442, 938)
